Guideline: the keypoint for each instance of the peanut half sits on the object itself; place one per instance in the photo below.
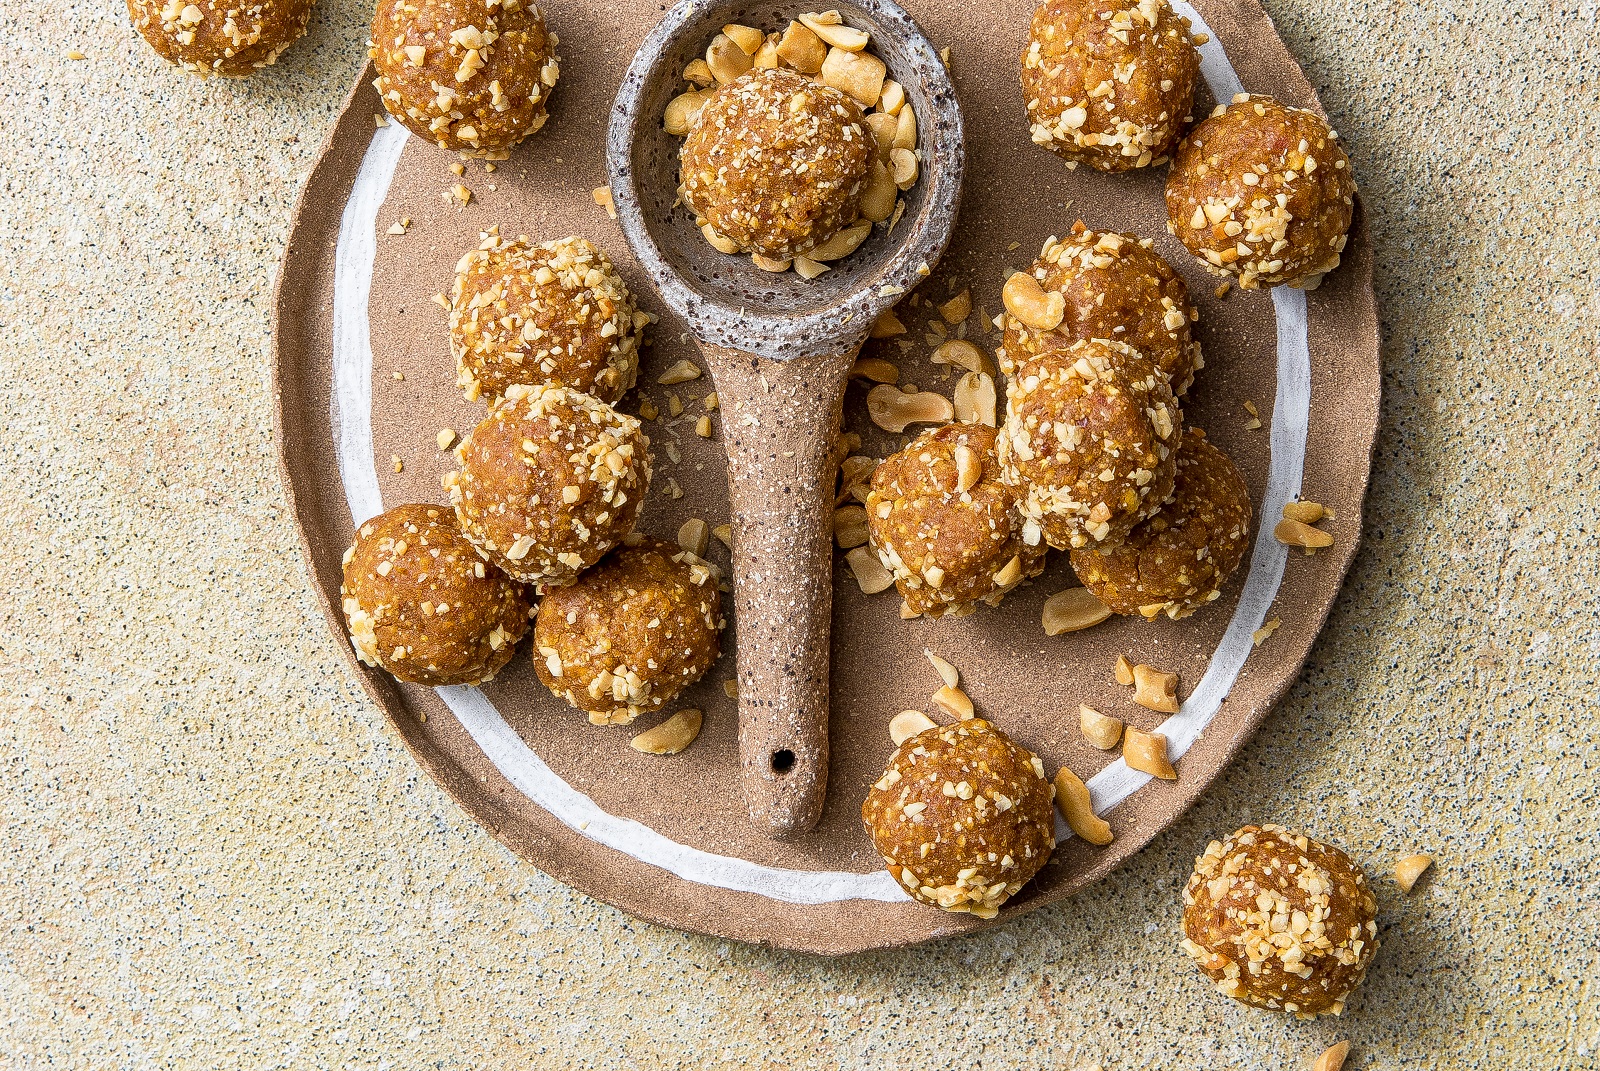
(1292, 533)
(1072, 611)
(1155, 689)
(1332, 1058)
(876, 369)
(1147, 753)
(1409, 869)
(1101, 730)
(908, 723)
(869, 572)
(958, 351)
(1072, 800)
(1304, 512)
(946, 671)
(1026, 300)
(975, 399)
(892, 409)
(671, 736)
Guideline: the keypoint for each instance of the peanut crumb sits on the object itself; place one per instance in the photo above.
(399, 466)
(602, 197)
(1262, 634)
(74, 54)
(446, 438)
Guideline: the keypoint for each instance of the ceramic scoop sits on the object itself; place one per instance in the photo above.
(780, 349)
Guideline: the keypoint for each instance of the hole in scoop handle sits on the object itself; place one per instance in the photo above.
(781, 422)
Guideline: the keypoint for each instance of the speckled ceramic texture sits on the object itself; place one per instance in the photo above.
(781, 509)
(219, 853)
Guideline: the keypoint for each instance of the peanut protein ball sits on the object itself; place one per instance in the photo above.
(1109, 83)
(227, 37)
(1090, 443)
(421, 602)
(471, 76)
(962, 817)
(550, 481)
(1280, 921)
(1177, 561)
(1263, 193)
(1115, 286)
(775, 163)
(556, 312)
(944, 524)
(632, 633)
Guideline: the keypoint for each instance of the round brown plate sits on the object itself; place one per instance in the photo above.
(364, 376)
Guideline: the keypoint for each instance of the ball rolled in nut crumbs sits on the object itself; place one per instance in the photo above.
(1177, 561)
(226, 37)
(1118, 287)
(776, 162)
(1280, 921)
(1263, 193)
(550, 481)
(471, 76)
(1090, 443)
(632, 633)
(945, 525)
(1109, 83)
(962, 817)
(422, 603)
(556, 312)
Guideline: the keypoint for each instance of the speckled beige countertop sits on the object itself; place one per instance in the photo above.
(215, 853)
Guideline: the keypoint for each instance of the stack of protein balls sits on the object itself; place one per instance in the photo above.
(551, 482)
(1093, 457)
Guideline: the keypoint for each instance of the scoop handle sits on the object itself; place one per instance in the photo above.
(781, 422)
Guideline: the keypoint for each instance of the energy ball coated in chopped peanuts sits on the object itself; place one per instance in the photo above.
(1109, 83)
(945, 525)
(556, 312)
(1090, 442)
(549, 482)
(962, 817)
(1280, 921)
(1177, 561)
(1263, 193)
(227, 37)
(471, 76)
(776, 162)
(422, 603)
(632, 633)
(1116, 287)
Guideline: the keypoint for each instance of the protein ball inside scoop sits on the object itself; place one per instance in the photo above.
(776, 162)
(471, 76)
(1090, 443)
(962, 817)
(1263, 193)
(550, 481)
(552, 313)
(1280, 921)
(210, 37)
(1116, 286)
(945, 525)
(422, 603)
(632, 633)
(1109, 83)
(1177, 561)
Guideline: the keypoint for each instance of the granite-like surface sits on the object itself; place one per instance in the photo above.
(215, 853)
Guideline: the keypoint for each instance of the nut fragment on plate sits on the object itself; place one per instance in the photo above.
(694, 536)
(1305, 512)
(975, 399)
(947, 672)
(957, 309)
(960, 352)
(784, 156)
(869, 572)
(954, 701)
(1124, 671)
(850, 527)
(1280, 920)
(962, 817)
(1155, 689)
(908, 723)
(1072, 610)
(1147, 753)
(876, 369)
(893, 409)
(1101, 730)
(1409, 869)
(887, 325)
(1072, 800)
(1292, 533)
(671, 736)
